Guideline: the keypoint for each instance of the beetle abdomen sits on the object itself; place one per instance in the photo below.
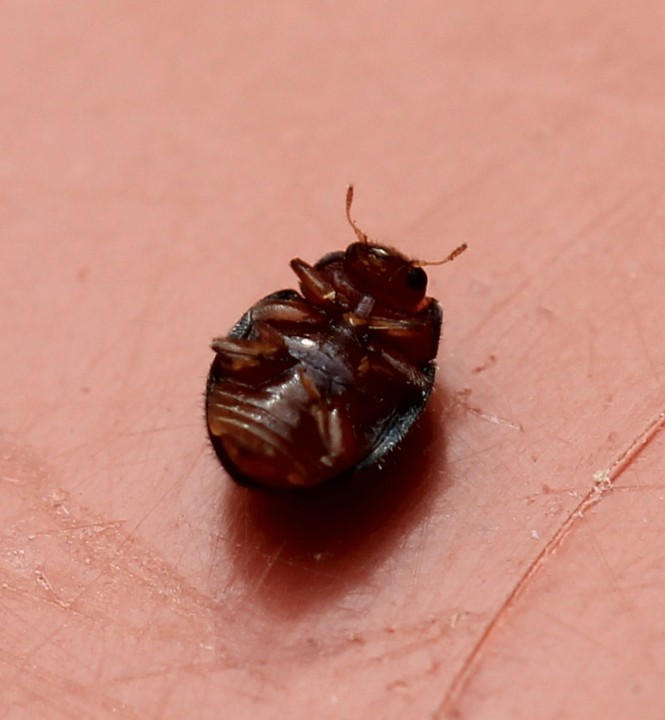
(314, 409)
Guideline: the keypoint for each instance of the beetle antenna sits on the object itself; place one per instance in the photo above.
(457, 251)
(359, 233)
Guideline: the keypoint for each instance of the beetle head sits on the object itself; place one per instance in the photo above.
(386, 275)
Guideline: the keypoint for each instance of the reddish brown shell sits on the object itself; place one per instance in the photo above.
(308, 387)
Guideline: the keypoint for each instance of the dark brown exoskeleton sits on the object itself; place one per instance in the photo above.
(308, 387)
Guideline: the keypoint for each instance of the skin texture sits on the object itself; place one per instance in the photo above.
(161, 165)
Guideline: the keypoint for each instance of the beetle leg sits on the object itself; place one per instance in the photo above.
(416, 338)
(333, 427)
(334, 430)
(309, 385)
(237, 354)
(312, 283)
(280, 313)
(397, 327)
(391, 362)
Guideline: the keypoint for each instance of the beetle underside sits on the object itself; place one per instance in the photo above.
(312, 386)
(300, 393)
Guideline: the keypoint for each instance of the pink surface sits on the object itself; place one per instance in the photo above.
(161, 164)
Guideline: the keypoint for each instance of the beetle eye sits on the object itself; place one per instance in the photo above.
(416, 279)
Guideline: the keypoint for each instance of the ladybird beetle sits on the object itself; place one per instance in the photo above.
(310, 386)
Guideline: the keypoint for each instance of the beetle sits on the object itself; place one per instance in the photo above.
(311, 386)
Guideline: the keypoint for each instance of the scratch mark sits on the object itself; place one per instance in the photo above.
(272, 560)
(46, 584)
(462, 399)
(636, 447)
(132, 534)
(495, 419)
(97, 528)
(603, 483)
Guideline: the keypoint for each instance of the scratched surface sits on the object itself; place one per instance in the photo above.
(160, 167)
